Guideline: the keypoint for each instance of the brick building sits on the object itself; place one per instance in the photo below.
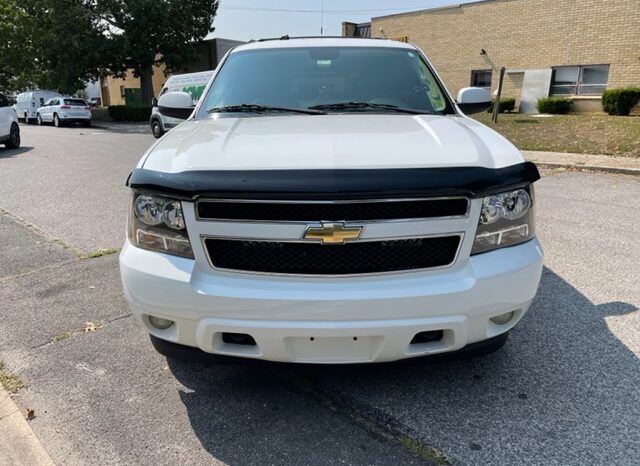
(115, 91)
(574, 48)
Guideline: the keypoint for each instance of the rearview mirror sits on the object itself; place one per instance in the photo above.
(176, 105)
(473, 100)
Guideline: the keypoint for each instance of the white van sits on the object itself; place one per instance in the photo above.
(28, 103)
(193, 83)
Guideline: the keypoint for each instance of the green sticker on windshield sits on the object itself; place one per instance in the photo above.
(324, 62)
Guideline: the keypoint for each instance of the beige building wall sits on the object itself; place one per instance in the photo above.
(112, 88)
(524, 34)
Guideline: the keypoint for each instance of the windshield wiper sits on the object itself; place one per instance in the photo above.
(366, 106)
(255, 108)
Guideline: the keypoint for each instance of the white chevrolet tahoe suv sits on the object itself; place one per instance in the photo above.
(327, 201)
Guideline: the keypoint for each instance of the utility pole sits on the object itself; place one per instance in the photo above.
(322, 19)
(496, 105)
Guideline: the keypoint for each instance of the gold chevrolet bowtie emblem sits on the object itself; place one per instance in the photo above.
(332, 233)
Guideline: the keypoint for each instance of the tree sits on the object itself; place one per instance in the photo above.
(144, 33)
(53, 44)
(61, 44)
(14, 63)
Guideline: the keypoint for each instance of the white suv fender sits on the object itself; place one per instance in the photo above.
(9, 127)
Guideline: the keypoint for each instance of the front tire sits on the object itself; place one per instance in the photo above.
(156, 129)
(56, 121)
(27, 121)
(39, 119)
(14, 137)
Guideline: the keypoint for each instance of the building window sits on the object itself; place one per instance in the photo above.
(404, 39)
(363, 30)
(481, 78)
(579, 80)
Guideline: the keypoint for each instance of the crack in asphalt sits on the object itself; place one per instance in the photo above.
(385, 429)
(40, 232)
(79, 254)
(7, 278)
(74, 332)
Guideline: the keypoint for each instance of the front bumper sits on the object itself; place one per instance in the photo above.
(349, 320)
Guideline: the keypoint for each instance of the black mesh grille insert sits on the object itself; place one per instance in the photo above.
(313, 212)
(318, 259)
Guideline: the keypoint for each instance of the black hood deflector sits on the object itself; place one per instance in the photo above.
(345, 184)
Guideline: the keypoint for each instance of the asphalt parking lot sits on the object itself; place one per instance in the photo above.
(564, 390)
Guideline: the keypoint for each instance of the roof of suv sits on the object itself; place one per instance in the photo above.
(322, 42)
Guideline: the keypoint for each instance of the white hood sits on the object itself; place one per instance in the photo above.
(350, 141)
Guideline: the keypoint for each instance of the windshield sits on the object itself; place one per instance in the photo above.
(75, 102)
(331, 79)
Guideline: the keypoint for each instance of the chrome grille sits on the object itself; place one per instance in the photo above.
(301, 258)
(272, 236)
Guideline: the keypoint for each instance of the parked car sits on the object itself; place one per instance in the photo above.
(9, 127)
(27, 103)
(64, 110)
(328, 201)
(94, 102)
(192, 83)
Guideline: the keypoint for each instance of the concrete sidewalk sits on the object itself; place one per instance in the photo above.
(19, 444)
(601, 163)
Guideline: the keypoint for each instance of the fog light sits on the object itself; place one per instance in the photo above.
(160, 323)
(502, 318)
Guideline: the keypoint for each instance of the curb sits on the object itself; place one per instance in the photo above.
(20, 446)
(589, 168)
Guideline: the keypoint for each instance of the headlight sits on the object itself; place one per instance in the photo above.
(172, 215)
(149, 209)
(506, 219)
(157, 224)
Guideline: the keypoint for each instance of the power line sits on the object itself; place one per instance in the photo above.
(287, 10)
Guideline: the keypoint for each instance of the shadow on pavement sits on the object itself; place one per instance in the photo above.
(122, 128)
(6, 153)
(564, 388)
(251, 415)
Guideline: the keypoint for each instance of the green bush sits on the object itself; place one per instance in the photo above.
(129, 113)
(620, 101)
(556, 105)
(508, 104)
(100, 114)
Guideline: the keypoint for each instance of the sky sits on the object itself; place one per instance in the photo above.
(255, 19)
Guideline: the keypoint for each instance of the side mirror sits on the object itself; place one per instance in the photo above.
(473, 100)
(176, 105)
(154, 102)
